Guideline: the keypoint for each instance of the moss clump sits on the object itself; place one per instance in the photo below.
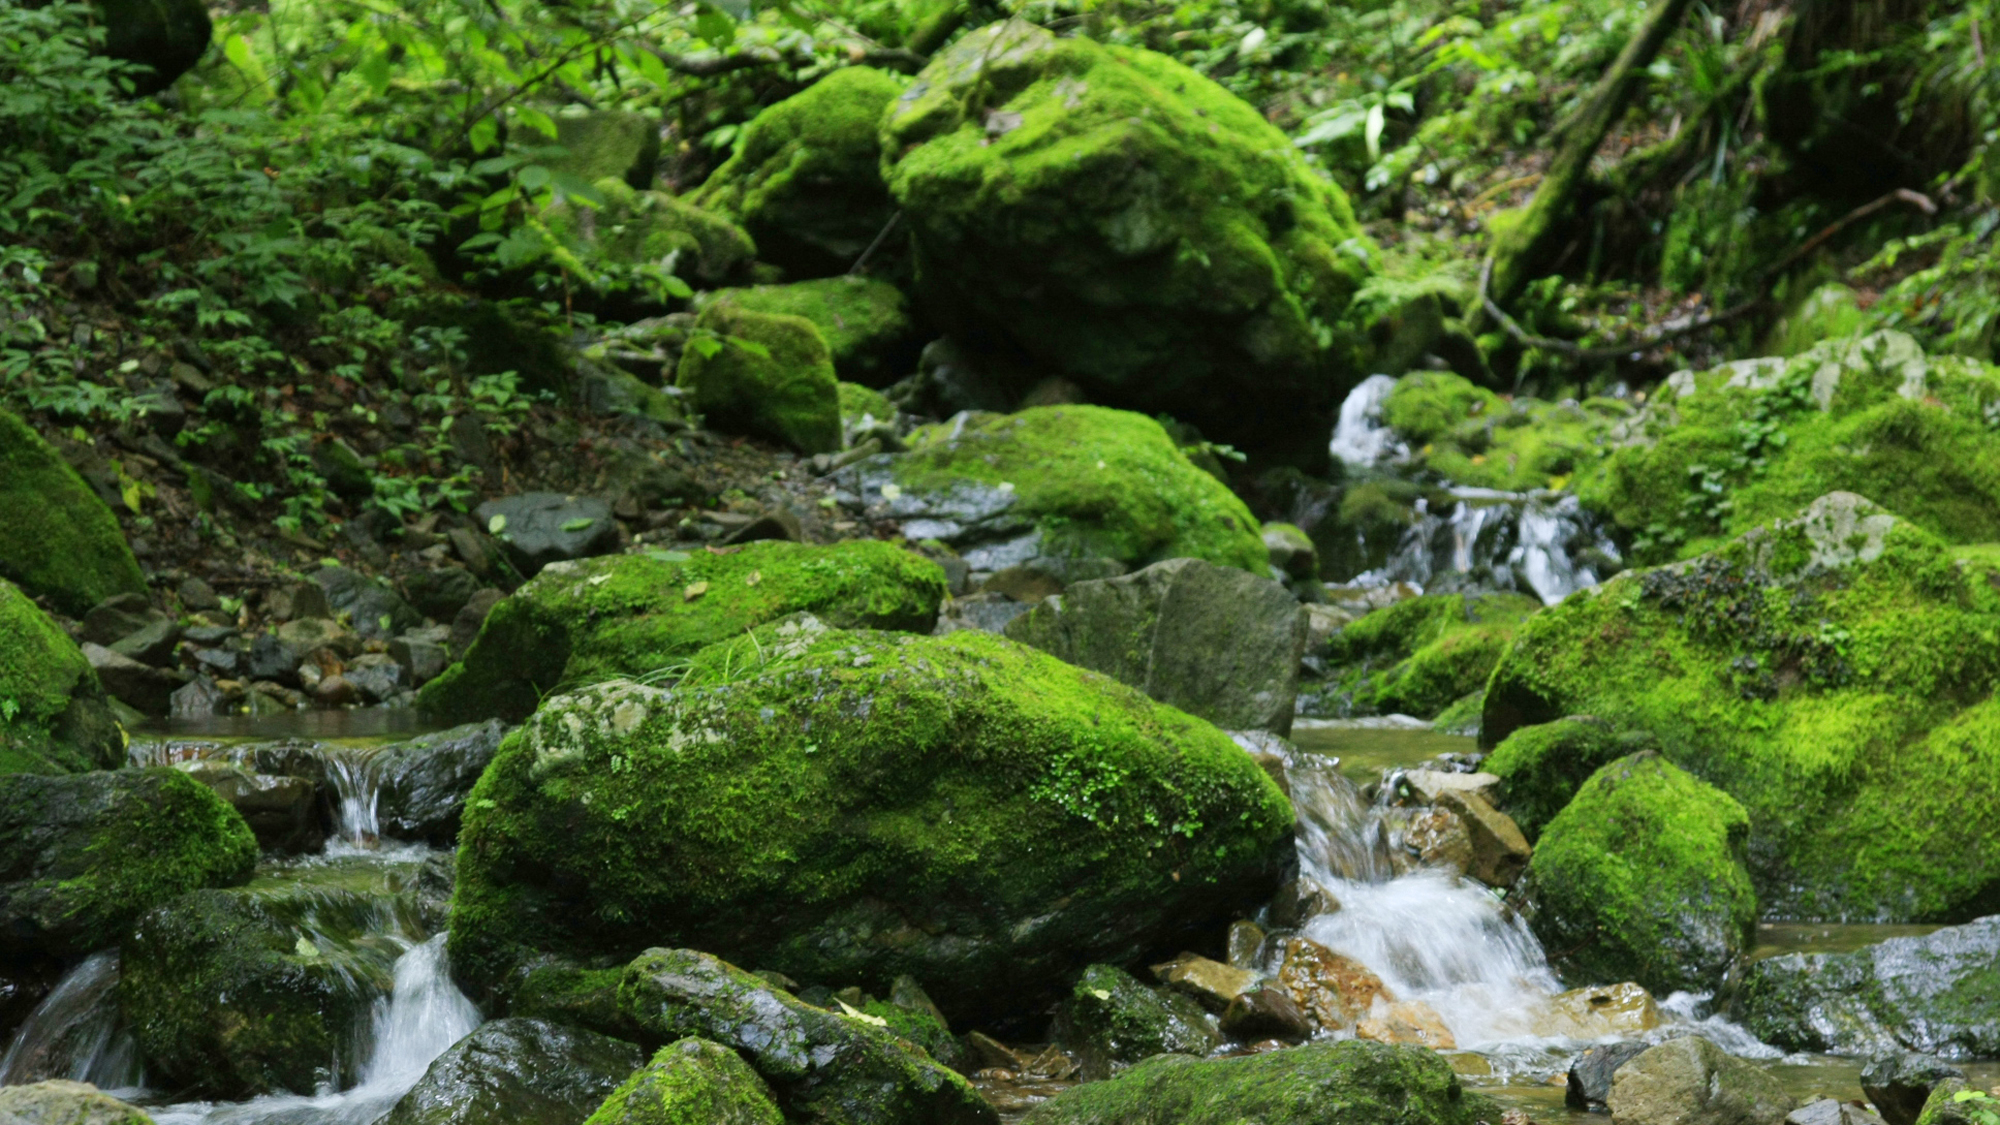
(609, 144)
(639, 228)
(1110, 1018)
(691, 1082)
(1094, 482)
(1833, 673)
(1544, 765)
(87, 854)
(856, 806)
(57, 539)
(1354, 1080)
(644, 614)
(805, 180)
(919, 1028)
(1472, 436)
(768, 375)
(858, 404)
(1128, 224)
(53, 714)
(1419, 655)
(866, 323)
(1641, 878)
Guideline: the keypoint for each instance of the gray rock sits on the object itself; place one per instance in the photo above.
(141, 687)
(199, 698)
(1590, 1075)
(377, 676)
(518, 1072)
(1499, 852)
(152, 643)
(1899, 1083)
(119, 616)
(1111, 1018)
(270, 659)
(1831, 1111)
(304, 635)
(987, 612)
(283, 812)
(223, 662)
(209, 634)
(439, 594)
(692, 1080)
(1216, 642)
(58, 1102)
(465, 626)
(1691, 1081)
(377, 612)
(424, 781)
(538, 528)
(422, 661)
(197, 595)
(1263, 1013)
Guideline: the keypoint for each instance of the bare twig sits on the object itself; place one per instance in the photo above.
(875, 245)
(1915, 199)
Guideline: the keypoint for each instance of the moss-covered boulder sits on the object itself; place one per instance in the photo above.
(1128, 224)
(1110, 1019)
(1322, 1083)
(1541, 767)
(805, 179)
(609, 144)
(518, 1072)
(639, 615)
(767, 374)
(54, 716)
(57, 539)
(1641, 878)
(863, 407)
(1418, 656)
(691, 1082)
(866, 323)
(1472, 436)
(1833, 672)
(635, 227)
(61, 1102)
(1061, 483)
(848, 807)
(82, 856)
(167, 37)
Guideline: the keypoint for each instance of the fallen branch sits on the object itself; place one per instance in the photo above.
(1915, 199)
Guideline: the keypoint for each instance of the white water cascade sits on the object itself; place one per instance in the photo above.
(75, 1033)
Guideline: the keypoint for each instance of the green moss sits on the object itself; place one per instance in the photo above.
(53, 715)
(1833, 673)
(1462, 716)
(768, 375)
(1472, 436)
(643, 614)
(1128, 224)
(1419, 655)
(918, 1028)
(1828, 312)
(609, 144)
(866, 323)
(1096, 482)
(1544, 765)
(57, 539)
(1641, 878)
(1110, 1018)
(691, 1082)
(565, 993)
(855, 806)
(805, 179)
(636, 228)
(858, 403)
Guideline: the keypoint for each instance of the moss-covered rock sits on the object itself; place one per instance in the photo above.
(866, 323)
(849, 807)
(1321, 1083)
(61, 1102)
(863, 406)
(1128, 224)
(81, 857)
(806, 179)
(1418, 656)
(57, 539)
(518, 1072)
(1543, 766)
(638, 615)
(1641, 878)
(639, 228)
(766, 374)
(54, 717)
(1833, 672)
(1472, 436)
(165, 36)
(691, 1082)
(1063, 482)
(1111, 1019)
(609, 144)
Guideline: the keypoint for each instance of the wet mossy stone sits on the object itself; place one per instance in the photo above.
(1321, 1083)
(61, 1102)
(641, 614)
(1111, 1018)
(82, 856)
(168, 37)
(1421, 654)
(825, 1068)
(767, 374)
(57, 539)
(1058, 482)
(54, 717)
(651, 228)
(866, 323)
(1127, 224)
(1641, 878)
(691, 1082)
(857, 805)
(1833, 672)
(518, 1072)
(806, 178)
(1933, 994)
(1472, 436)
(1543, 766)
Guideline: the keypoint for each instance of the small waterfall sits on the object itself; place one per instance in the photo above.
(1360, 438)
(356, 790)
(350, 784)
(76, 1033)
(1539, 542)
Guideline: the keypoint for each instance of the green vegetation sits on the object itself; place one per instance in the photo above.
(1110, 1018)
(53, 717)
(768, 374)
(691, 1082)
(1469, 435)
(866, 323)
(56, 538)
(1544, 765)
(1420, 655)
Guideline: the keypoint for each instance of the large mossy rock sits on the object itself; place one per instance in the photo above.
(167, 37)
(805, 180)
(54, 717)
(83, 856)
(768, 374)
(61, 1102)
(1933, 994)
(1126, 223)
(651, 228)
(518, 1072)
(1061, 482)
(1691, 1081)
(1541, 767)
(57, 539)
(1641, 878)
(867, 326)
(1472, 436)
(825, 1068)
(1322, 1083)
(635, 615)
(1833, 672)
(1418, 656)
(849, 807)
(691, 1082)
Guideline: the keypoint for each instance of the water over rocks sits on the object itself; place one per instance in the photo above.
(518, 1072)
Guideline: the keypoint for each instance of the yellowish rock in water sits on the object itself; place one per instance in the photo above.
(1333, 989)
(1212, 983)
(1439, 839)
(1593, 1013)
(1471, 1064)
(1407, 1023)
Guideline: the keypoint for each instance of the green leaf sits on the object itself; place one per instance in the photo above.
(534, 177)
(484, 134)
(537, 120)
(577, 524)
(715, 26)
(496, 525)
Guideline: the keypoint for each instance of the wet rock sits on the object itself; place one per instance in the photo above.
(788, 394)
(797, 866)
(377, 611)
(152, 643)
(518, 1072)
(1691, 1081)
(1321, 1083)
(282, 812)
(222, 663)
(1900, 1082)
(118, 616)
(61, 720)
(424, 781)
(1299, 900)
(337, 691)
(271, 659)
(1335, 990)
(1832, 1111)
(82, 856)
(439, 594)
(377, 676)
(465, 625)
(1499, 852)
(1589, 1083)
(692, 1080)
(57, 539)
(1211, 983)
(1440, 839)
(58, 1102)
(141, 687)
(1111, 1019)
(538, 528)
(1214, 641)
(1430, 786)
(1246, 939)
(422, 661)
(1599, 1012)
(823, 1067)
(1263, 1013)
(1410, 1023)
(1932, 994)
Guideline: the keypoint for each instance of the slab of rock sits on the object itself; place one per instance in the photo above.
(378, 612)
(1411, 1023)
(152, 643)
(1831, 1111)
(60, 1102)
(1691, 1081)
(424, 781)
(145, 689)
(283, 812)
(1600, 1011)
(1499, 852)
(1335, 990)
(1266, 1012)
(1110, 1018)
(1589, 1083)
(691, 1081)
(1215, 641)
(1899, 1082)
(538, 528)
(1211, 983)
(1430, 786)
(518, 1072)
